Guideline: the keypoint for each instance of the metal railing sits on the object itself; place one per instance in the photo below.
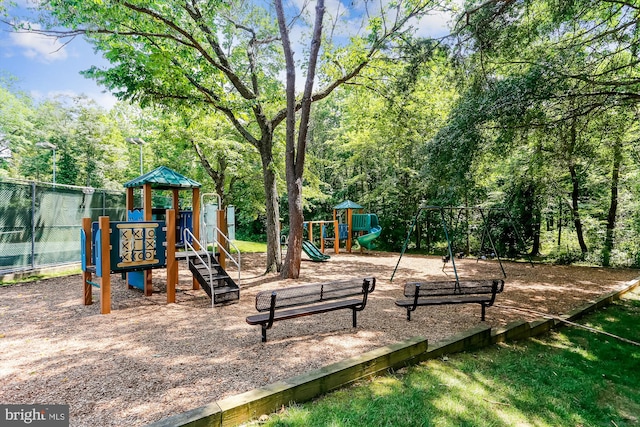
(188, 238)
(217, 232)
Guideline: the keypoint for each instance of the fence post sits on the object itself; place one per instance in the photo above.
(33, 225)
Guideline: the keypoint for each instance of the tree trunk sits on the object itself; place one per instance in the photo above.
(575, 188)
(537, 225)
(274, 255)
(613, 204)
(296, 149)
(560, 219)
(575, 210)
(293, 259)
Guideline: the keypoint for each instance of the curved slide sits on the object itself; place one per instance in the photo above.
(313, 252)
(366, 241)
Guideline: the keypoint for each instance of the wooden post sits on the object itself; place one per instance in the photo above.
(322, 236)
(130, 199)
(195, 222)
(336, 232)
(105, 251)
(147, 203)
(175, 200)
(310, 231)
(175, 205)
(196, 215)
(222, 242)
(349, 228)
(172, 263)
(86, 275)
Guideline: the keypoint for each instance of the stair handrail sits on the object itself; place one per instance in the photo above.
(218, 232)
(186, 234)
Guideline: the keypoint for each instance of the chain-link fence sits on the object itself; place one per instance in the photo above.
(40, 223)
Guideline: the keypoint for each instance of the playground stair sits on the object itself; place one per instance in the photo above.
(224, 288)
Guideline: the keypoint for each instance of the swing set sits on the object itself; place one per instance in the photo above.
(476, 291)
(451, 253)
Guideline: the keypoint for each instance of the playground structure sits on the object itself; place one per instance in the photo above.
(134, 248)
(364, 226)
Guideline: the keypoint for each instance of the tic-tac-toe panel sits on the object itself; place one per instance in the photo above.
(138, 245)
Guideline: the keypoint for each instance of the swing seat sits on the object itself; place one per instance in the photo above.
(481, 292)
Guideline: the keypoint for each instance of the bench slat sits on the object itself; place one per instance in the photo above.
(310, 294)
(449, 288)
(443, 301)
(303, 311)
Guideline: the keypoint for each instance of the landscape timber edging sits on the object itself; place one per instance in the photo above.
(244, 407)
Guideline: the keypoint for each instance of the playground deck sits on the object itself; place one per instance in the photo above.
(147, 360)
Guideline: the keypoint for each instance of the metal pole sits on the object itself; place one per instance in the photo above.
(451, 257)
(406, 242)
(54, 166)
(141, 170)
(485, 225)
(33, 225)
(49, 146)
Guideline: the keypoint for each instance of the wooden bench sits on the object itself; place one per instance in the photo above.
(481, 292)
(305, 300)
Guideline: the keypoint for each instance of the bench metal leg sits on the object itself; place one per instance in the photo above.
(353, 310)
(483, 310)
(408, 314)
(264, 332)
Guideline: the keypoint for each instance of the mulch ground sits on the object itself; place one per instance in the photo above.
(148, 360)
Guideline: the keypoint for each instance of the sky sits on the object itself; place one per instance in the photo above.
(46, 67)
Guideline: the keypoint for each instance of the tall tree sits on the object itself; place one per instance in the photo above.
(296, 150)
(229, 55)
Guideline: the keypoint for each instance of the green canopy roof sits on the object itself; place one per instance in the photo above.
(348, 204)
(163, 178)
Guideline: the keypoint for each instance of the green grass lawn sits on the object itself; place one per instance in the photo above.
(568, 378)
(42, 275)
(249, 247)
(246, 247)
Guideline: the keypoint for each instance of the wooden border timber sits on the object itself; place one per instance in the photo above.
(244, 407)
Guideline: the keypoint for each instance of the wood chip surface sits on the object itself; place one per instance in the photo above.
(148, 360)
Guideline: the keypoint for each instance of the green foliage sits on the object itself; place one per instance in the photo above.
(566, 256)
(525, 112)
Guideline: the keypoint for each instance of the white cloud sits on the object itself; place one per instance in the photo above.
(104, 99)
(28, 3)
(38, 46)
(436, 24)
